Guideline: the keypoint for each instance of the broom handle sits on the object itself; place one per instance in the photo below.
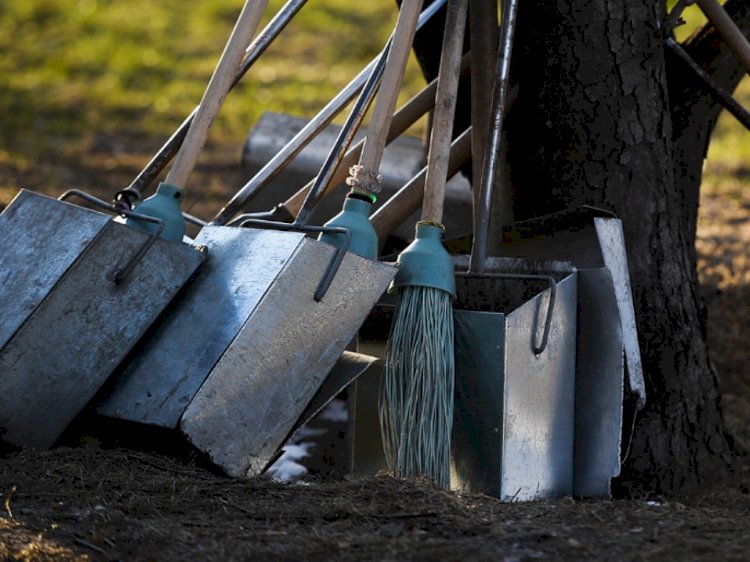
(216, 91)
(728, 29)
(403, 36)
(408, 199)
(445, 109)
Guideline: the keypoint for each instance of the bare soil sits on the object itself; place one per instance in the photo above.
(98, 501)
(90, 503)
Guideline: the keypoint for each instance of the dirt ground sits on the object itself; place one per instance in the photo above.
(96, 501)
(90, 503)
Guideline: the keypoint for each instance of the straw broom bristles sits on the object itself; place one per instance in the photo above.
(419, 385)
(416, 401)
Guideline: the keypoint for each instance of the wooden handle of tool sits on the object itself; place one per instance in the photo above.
(445, 109)
(404, 118)
(408, 199)
(733, 36)
(403, 36)
(216, 91)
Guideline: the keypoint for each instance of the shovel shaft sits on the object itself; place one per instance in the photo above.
(445, 109)
(408, 199)
(253, 53)
(398, 54)
(402, 120)
(483, 40)
(295, 145)
(344, 138)
(217, 90)
(492, 149)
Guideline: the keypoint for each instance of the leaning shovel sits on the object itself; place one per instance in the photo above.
(80, 289)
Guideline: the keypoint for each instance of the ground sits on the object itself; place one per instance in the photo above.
(85, 502)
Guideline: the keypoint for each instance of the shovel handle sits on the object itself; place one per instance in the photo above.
(445, 110)
(402, 120)
(216, 91)
(483, 40)
(492, 148)
(253, 53)
(403, 36)
(408, 199)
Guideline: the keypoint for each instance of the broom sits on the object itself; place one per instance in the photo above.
(416, 401)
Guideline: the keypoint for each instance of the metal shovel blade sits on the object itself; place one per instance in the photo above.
(259, 388)
(238, 360)
(65, 323)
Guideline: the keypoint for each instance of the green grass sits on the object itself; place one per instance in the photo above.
(727, 164)
(89, 89)
(79, 75)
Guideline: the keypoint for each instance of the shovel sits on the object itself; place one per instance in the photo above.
(546, 423)
(271, 313)
(515, 351)
(66, 329)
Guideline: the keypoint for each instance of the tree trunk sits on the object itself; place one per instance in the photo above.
(594, 125)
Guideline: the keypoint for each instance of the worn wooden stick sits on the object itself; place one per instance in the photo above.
(216, 91)
(403, 36)
(445, 109)
(404, 118)
(408, 199)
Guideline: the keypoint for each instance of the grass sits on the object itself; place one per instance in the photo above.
(94, 80)
(91, 88)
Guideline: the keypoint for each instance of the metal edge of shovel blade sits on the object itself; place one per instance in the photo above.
(71, 344)
(40, 239)
(350, 366)
(612, 242)
(262, 384)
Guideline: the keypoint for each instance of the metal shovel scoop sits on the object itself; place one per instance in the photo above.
(81, 289)
(78, 289)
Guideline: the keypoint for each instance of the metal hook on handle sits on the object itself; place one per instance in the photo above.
(122, 274)
(336, 260)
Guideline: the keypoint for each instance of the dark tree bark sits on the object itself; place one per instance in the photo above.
(605, 118)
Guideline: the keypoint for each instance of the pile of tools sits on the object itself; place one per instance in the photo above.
(503, 371)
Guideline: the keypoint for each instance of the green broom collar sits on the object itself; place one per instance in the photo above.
(426, 262)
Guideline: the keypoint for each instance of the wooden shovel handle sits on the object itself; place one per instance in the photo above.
(408, 199)
(216, 91)
(445, 109)
(403, 36)
(402, 120)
